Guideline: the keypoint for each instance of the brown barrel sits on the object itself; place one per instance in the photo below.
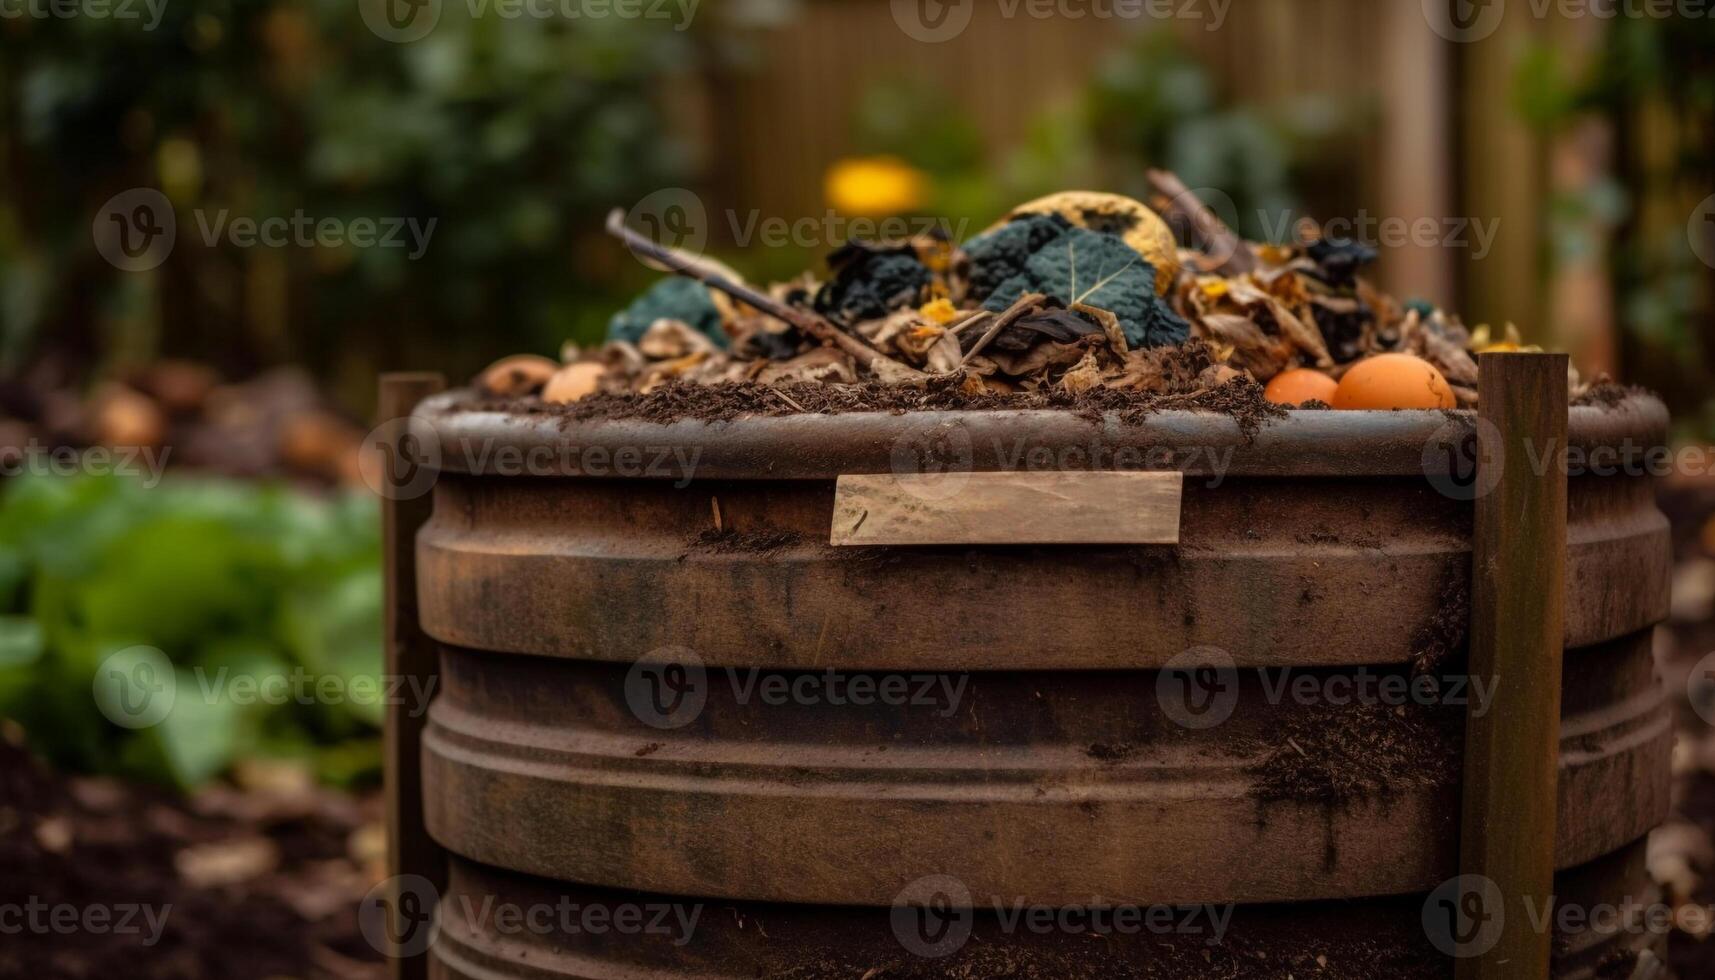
(1329, 549)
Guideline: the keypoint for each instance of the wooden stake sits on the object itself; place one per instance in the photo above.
(1518, 583)
(411, 656)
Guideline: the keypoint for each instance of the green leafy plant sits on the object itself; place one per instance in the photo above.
(230, 581)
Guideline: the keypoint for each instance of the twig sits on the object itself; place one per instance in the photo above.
(1014, 313)
(1211, 233)
(783, 397)
(674, 260)
(972, 319)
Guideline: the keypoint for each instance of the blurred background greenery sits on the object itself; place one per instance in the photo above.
(1591, 141)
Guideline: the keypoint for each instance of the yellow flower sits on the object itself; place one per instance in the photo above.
(1483, 342)
(875, 186)
(939, 311)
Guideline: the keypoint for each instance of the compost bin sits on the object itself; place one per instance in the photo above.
(1321, 544)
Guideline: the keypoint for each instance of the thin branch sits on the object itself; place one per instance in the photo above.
(1014, 313)
(1211, 234)
(673, 260)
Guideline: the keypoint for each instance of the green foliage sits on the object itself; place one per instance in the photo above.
(230, 581)
(514, 135)
(1100, 270)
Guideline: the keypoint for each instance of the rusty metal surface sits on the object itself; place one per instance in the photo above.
(1279, 572)
(821, 447)
(1050, 786)
(1382, 939)
(1320, 548)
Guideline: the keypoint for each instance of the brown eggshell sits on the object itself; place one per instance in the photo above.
(1393, 381)
(1300, 385)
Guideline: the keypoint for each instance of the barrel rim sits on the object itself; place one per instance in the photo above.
(810, 447)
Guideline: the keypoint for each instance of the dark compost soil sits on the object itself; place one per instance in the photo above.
(99, 844)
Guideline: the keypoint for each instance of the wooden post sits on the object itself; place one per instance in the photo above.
(1518, 583)
(409, 655)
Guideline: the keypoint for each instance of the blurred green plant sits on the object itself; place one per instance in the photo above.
(1653, 82)
(515, 135)
(230, 581)
(1151, 104)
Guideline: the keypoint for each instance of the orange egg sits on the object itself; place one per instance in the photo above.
(1300, 385)
(1388, 381)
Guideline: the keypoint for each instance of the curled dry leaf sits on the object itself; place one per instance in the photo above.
(821, 364)
(669, 339)
(574, 382)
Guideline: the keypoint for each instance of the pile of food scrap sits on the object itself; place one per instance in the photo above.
(1079, 297)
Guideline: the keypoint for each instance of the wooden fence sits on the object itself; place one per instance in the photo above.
(1443, 140)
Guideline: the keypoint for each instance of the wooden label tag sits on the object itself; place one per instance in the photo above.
(1007, 508)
